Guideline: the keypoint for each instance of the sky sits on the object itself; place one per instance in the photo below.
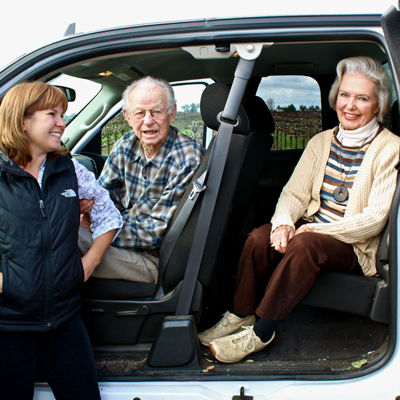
(27, 25)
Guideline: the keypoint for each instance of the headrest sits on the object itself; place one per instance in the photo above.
(395, 118)
(213, 102)
(261, 119)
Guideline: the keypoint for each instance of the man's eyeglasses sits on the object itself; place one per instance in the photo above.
(157, 114)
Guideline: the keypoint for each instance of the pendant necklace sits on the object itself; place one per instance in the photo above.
(340, 194)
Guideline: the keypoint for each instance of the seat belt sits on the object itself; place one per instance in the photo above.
(218, 152)
(177, 227)
(216, 170)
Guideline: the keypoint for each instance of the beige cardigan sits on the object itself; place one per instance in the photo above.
(369, 204)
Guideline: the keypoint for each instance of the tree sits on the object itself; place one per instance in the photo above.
(291, 107)
(191, 108)
(186, 107)
(270, 104)
(303, 108)
(194, 107)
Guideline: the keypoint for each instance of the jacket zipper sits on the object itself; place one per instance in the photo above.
(47, 263)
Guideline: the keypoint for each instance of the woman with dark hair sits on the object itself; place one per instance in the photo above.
(329, 215)
(41, 266)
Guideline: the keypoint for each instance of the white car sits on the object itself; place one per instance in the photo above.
(342, 341)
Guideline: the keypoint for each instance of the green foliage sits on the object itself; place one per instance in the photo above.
(190, 123)
(112, 131)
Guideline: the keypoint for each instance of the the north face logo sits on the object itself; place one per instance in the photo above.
(69, 193)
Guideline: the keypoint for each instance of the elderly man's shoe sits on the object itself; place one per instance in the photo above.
(234, 348)
(229, 324)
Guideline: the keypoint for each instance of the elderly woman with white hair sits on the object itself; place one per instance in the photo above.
(329, 215)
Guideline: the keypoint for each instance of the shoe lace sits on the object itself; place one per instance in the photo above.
(249, 336)
(225, 320)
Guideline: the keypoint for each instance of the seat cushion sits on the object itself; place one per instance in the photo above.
(342, 292)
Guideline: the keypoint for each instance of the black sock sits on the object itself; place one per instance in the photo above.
(264, 328)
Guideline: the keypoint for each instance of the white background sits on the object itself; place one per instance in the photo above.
(28, 24)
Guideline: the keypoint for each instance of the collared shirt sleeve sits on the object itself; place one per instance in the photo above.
(104, 215)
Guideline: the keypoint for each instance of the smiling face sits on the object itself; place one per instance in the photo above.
(44, 129)
(150, 128)
(357, 101)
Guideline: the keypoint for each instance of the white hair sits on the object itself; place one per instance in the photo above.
(373, 70)
(150, 82)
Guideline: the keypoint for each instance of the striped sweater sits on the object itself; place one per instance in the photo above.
(341, 170)
(368, 206)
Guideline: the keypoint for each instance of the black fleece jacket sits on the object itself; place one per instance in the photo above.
(40, 259)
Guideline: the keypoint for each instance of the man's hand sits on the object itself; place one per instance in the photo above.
(280, 238)
(86, 205)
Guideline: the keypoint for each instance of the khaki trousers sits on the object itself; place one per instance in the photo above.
(118, 263)
(273, 293)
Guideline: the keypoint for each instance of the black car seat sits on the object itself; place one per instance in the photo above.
(366, 296)
(118, 312)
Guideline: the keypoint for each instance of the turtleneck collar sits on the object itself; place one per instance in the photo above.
(357, 137)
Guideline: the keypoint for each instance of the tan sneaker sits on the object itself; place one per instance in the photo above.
(229, 324)
(233, 348)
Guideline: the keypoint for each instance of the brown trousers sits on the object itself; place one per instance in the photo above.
(273, 294)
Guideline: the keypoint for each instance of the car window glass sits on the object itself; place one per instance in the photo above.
(188, 118)
(295, 103)
(113, 130)
(85, 92)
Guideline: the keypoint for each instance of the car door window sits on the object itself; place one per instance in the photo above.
(295, 103)
(188, 118)
(85, 91)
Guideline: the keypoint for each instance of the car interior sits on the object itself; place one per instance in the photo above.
(342, 326)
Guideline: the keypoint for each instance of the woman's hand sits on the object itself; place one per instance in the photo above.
(89, 264)
(280, 238)
(85, 222)
(94, 255)
(303, 228)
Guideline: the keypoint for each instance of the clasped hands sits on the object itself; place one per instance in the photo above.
(281, 236)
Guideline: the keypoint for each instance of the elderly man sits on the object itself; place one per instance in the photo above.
(146, 174)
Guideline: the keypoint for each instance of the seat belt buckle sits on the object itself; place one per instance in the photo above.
(196, 189)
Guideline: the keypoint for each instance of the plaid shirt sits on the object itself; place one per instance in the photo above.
(148, 192)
